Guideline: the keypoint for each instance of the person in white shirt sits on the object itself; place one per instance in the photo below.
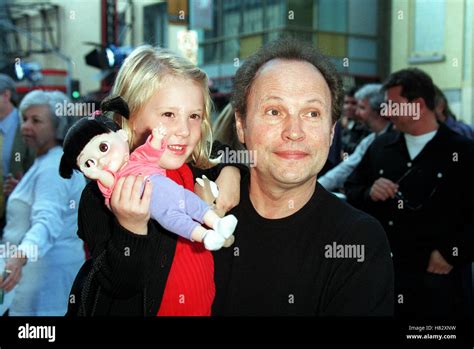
(417, 182)
(369, 101)
(44, 253)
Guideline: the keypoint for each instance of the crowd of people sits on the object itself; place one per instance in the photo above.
(397, 239)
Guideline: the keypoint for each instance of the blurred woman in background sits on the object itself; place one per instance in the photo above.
(45, 252)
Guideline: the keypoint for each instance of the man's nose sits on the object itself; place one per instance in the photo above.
(293, 130)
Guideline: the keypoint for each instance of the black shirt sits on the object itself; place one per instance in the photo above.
(282, 266)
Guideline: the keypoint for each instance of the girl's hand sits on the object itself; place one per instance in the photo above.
(228, 183)
(130, 207)
(14, 265)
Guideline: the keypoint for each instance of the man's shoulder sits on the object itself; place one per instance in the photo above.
(386, 138)
(348, 222)
(453, 138)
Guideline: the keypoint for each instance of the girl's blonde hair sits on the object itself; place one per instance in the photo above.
(141, 76)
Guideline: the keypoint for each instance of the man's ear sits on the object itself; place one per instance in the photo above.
(240, 126)
(333, 129)
(421, 102)
(123, 135)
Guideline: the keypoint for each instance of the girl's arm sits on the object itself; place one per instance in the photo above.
(127, 254)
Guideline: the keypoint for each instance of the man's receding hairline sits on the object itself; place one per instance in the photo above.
(287, 60)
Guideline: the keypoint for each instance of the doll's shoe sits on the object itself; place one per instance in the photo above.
(226, 226)
(229, 241)
(213, 241)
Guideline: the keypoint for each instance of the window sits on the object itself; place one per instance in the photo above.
(253, 19)
(155, 25)
(363, 17)
(332, 16)
(428, 26)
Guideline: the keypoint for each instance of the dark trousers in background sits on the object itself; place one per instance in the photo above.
(420, 294)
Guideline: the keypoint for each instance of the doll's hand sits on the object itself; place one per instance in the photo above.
(208, 191)
(158, 134)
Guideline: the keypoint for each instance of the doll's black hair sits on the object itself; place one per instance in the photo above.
(87, 128)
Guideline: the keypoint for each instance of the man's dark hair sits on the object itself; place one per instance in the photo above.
(351, 91)
(415, 84)
(440, 97)
(290, 49)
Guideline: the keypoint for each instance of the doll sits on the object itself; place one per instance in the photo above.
(98, 148)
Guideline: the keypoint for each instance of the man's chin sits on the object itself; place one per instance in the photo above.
(291, 179)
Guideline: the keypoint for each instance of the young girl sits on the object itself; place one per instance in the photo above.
(100, 150)
(139, 268)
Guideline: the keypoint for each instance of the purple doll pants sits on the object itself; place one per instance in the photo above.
(177, 209)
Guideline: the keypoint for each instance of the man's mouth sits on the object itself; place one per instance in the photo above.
(178, 149)
(291, 154)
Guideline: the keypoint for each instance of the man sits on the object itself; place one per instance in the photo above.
(446, 116)
(16, 157)
(418, 183)
(298, 249)
(353, 129)
(369, 103)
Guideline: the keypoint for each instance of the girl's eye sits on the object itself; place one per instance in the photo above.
(103, 147)
(273, 112)
(168, 114)
(195, 116)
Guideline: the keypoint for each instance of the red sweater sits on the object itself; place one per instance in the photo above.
(190, 288)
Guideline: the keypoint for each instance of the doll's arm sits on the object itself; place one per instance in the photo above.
(153, 148)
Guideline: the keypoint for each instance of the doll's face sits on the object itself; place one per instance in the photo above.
(107, 151)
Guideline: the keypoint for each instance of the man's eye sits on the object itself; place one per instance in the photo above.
(103, 147)
(273, 112)
(314, 114)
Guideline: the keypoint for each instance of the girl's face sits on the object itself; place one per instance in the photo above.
(179, 107)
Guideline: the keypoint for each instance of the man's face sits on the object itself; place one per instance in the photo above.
(350, 106)
(364, 111)
(402, 123)
(288, 123)
(4, 102)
